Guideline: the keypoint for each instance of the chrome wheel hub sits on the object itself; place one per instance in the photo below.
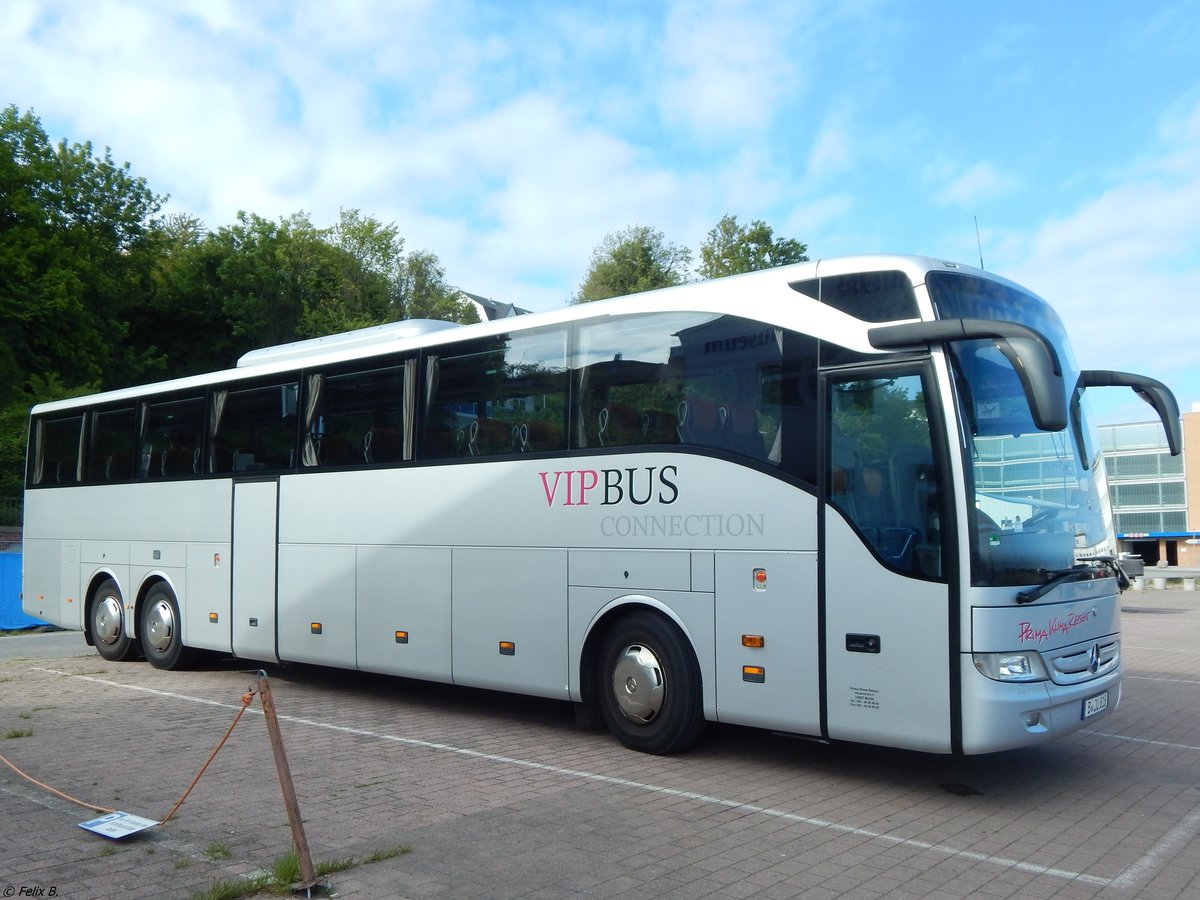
(160, 626)
(106, 621)
(638, 684)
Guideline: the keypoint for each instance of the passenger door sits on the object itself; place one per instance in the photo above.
(886, 596)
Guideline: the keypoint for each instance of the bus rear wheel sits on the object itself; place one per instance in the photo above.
(161, 633)
(650, 689)
(106, 621)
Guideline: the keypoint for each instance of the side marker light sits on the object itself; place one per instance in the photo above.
(754, 674)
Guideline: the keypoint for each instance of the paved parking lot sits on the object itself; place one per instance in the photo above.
(496, 796)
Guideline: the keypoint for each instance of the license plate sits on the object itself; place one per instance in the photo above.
(1095, 705)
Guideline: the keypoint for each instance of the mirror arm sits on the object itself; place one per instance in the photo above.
(1154, 392)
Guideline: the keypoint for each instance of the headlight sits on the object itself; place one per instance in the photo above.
(1011, 666)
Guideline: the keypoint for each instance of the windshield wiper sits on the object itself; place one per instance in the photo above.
(1055, 577)
(1080, 572)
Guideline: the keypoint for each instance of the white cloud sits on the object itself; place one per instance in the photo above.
(1122, 268)
(976, 184)
(727, 66)
(834, 149)
(510, 139)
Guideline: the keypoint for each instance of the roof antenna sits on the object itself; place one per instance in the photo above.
(978, 243)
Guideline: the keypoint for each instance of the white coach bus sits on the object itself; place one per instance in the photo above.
(855, 500)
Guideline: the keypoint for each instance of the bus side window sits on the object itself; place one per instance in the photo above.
(110, 441)
(254, 428)
(355, 417)
(681, 378)
(501, 395)
(627, 382)
(57, 451)
(170, 437)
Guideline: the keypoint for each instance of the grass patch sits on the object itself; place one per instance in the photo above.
(234, 889)
(285, 872)
(388, 853)
(18, 733)
(218, 850)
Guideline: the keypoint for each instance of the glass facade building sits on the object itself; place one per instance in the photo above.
(1149, 490)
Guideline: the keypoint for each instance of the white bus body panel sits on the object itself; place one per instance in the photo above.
(317, 604)
(50, 582)
(903, 690)
(159, 526)
(518, 596)
(41, 580)
(206, 609)
(404, 589)
(784, 612)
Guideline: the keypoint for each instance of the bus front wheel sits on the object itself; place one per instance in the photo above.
(161, 634)
(650, 690)
(106, 621)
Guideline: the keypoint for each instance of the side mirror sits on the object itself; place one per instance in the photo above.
(1152, 391)
(1032, 356)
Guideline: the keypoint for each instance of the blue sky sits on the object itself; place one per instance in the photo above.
(510, 137)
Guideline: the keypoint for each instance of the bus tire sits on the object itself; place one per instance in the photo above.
(649, 684)
(161, 632)
(106, 622)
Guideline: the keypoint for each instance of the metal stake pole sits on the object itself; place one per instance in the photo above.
(307, 873)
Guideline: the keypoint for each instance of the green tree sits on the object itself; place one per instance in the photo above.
(74, 255)
(424, 294)
(182, 317)
(353, 282)
(731, 249)
(272, 273)
(631, 261)
(75, 261)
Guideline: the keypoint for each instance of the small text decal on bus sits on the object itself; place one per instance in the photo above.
(637, 485)
(1056, 626)
(742, 342)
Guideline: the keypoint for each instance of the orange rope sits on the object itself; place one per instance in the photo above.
(247, 699)
(56, 793)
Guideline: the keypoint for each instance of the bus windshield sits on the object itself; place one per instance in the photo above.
(1039, 497)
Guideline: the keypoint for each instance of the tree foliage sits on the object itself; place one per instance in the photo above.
(97, 291)
(424, 294)
(640, 258)
(636, 259)
(73, 251)
(731, 249)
